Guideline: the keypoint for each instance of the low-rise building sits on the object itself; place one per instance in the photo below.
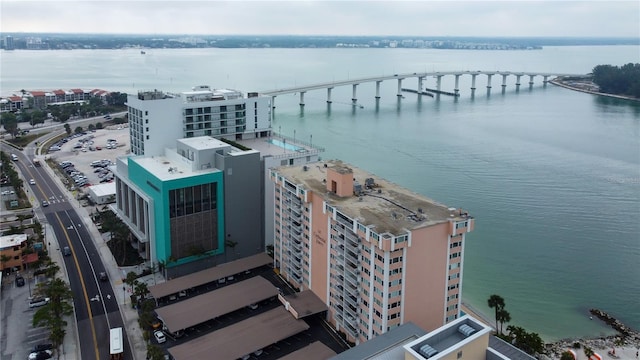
(11, 248)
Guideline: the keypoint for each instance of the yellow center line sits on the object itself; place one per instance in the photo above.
(84, 288)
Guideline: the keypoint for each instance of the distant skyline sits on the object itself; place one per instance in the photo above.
(560, 18)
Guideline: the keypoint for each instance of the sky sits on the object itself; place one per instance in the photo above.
(514, 18)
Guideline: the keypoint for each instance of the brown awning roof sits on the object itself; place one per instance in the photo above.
(201, 308)
(212, 274)
(242, 338)
(304, 303)
(313, 351)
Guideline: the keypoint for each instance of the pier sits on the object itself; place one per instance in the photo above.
(418, 92)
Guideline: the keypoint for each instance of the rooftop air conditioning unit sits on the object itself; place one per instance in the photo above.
(427, 351)
(466, 330)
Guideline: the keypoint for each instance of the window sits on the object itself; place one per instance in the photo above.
(460, 354)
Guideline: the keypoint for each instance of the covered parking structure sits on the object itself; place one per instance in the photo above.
(204, 277)
(205, 307)
(242, 338)
(302, 304)
(313, 351)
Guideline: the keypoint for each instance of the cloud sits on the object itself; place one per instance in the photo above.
(417, 18)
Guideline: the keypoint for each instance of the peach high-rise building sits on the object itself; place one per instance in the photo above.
(377, 254)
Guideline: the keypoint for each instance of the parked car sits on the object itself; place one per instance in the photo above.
(159, 335)
(37, 302)
(41, 355)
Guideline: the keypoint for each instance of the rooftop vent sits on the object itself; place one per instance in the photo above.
(466, 330)
(427, 351)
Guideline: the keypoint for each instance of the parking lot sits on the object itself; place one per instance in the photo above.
(86, 157)
(19, 335)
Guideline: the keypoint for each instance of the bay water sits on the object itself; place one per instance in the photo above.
(552, 176)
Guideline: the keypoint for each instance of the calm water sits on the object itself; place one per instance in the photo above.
(551, 175)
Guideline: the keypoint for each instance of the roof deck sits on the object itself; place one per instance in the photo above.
(389, 206)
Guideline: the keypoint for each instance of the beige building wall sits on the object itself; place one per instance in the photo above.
(426, 275)
(319, 247)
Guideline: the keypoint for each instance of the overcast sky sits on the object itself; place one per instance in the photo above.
(517, 18)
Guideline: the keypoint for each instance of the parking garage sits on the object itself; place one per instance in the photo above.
(214, 274)
(196, 310)
(240, 339)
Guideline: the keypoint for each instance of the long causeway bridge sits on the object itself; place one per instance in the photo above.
(420, 76)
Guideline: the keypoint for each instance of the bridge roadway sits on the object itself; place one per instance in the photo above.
(418, 75)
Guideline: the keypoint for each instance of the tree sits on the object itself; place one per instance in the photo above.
(131, 279)
(10, 123)
(531, 343)
(98, 125)
(502, 317)
(588, 352)
(67, 128)
(4, 258)
(154, 352)
(37, 117)
(78, 130)
(566, 356)
(496, 302)
(51, 316)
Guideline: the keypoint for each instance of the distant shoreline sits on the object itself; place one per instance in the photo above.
(561, 83)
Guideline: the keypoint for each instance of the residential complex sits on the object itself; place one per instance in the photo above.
(41, 99)
(158, 118)
(377, 254)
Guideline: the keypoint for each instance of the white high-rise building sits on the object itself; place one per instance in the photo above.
(157, 118)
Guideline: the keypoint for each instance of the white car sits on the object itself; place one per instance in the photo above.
(159, 335)
(37, 355)
(32, 182)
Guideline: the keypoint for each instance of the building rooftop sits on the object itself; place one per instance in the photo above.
(105, 189)
(204, 142)
(8, 241)
(314, 351)
(198, 309)
(387, 346)
(386, 206)
(245, 337)
(440, 343)
(167, 169)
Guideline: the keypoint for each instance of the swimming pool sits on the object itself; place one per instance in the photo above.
(285, 145)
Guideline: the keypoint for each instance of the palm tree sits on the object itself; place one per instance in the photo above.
(502, 317)
(496, 302)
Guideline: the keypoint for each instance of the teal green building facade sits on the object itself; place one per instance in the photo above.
(188, 218)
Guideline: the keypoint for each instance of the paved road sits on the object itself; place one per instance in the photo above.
(96, 308)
